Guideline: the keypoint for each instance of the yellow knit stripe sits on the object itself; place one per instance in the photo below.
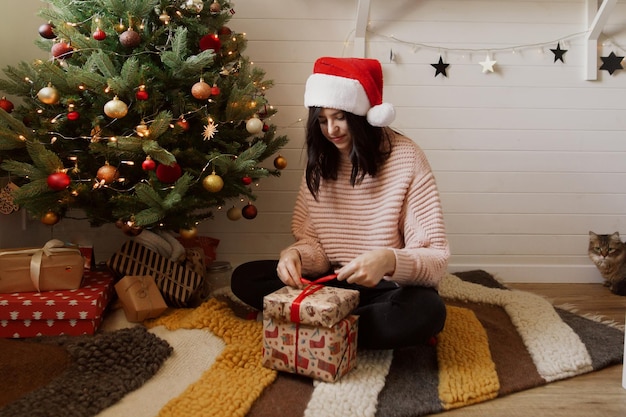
(467, 374)
(236, 379)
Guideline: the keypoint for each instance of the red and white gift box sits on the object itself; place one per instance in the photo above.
(53, 313)
(318, 352)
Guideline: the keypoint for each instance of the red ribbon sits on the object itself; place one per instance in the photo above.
(311, 288)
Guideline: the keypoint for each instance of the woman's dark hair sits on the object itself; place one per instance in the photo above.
(370, 148)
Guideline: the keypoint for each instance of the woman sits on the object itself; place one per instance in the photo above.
(368, 210)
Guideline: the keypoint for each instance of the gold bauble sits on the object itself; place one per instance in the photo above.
(188, 233)
(49, 95)
(50, 218)
(107, 173)
(234, 213)
(213, 183)
(201, 90)
(280, 162)
(116, 108)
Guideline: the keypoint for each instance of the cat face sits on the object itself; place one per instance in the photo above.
(605, 249)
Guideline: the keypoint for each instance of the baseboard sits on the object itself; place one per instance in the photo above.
(536, 273)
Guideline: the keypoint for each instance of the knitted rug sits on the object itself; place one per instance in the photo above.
(496, 341)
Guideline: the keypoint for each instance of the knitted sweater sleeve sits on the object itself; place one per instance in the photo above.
(424, 258)
(312, 255)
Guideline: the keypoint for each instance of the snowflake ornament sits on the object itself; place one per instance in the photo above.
(209, 131)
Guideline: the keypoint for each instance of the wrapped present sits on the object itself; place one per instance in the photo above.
(316, 304)
(318, 352)
(52, 313)
(140, 297)
(176, 282)
(55, 266)
(207, 244)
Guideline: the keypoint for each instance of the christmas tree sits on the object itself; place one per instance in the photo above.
(147, 115)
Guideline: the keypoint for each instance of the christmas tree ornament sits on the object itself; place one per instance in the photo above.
(246, 180)
(189, 233)
(168, 174)
(61, 50)
(280, 162)
(266, 127)
(49, 95)
(215, 8)
(558, 52)
(148, 164)
(129, 38)
(213, 183)
(116, 108)
(234, 213)
(611, 63)
(6, 105)
(129, 228)
(142, 129)
(99, 35)
(182, 123)
(107, 173)
(194, 6)
(142, 94)
(249, 211)
(254, 125)
(7, 204)
(440, 67)
(215, 90)
(209, 131)
(224, 31)
(47, 31)
(201, 90)
(73, 116)
(50, 218)
(210, 41)
(58, 181)
(487, 64)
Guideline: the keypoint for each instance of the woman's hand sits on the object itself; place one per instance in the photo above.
(368, 268)
(289, 268)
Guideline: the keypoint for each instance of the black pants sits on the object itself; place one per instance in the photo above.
(389, 316)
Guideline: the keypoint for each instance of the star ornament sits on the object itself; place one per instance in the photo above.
(209, 131)
(558, 52)
(611, 63)
(487, 64)
(440, 67)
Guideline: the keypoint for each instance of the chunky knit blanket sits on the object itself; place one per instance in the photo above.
(496, 341)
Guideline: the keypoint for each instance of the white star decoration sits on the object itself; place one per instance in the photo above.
(209, 131)
(487, 64)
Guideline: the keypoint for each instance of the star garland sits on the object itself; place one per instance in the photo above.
(611, 63)
(487, 64)
(558, 52)
(440, 67)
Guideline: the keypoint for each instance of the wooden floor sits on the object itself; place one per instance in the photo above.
(595, 394)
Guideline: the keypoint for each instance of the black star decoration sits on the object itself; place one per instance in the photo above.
(440, 67)
(611, 63)
(558, 52)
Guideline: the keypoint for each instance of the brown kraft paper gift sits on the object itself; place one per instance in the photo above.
(140, 298)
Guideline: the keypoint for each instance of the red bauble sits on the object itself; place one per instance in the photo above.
(246, 180)
(266, 127)
(249, 211)
(215, 90)
(182, 123)
(224, 31)
(58, 181)
(168, 173)
(148, 164)
(61, 50)
(47, 31)
(130, 38)
(73, 115)
(6, 105)
(142, 94)
(99, 35)
(211, 41)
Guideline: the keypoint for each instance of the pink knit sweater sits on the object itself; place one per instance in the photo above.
(398, 209)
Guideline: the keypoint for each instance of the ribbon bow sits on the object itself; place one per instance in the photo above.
(311, 288)
(51, 247)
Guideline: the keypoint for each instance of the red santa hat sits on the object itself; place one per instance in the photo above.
(354, 85)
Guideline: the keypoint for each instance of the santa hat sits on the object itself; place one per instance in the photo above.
(354, 85)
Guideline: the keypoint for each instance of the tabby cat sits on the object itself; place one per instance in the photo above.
(608, 253)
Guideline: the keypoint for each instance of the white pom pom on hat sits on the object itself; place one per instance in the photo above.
(354, 85)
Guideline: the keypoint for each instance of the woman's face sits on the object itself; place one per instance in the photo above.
(335, 128)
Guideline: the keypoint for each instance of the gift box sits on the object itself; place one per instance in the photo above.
(316, 304)
(52, 313)
(318, 352)
(55, 266)
(140, 297)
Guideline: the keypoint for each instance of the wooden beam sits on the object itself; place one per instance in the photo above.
(596, 19)
(360, 32)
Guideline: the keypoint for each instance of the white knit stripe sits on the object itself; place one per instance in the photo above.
(356, 393)
(195, 351)
(555, 348)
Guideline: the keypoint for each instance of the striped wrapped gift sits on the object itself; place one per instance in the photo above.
(176, 282)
